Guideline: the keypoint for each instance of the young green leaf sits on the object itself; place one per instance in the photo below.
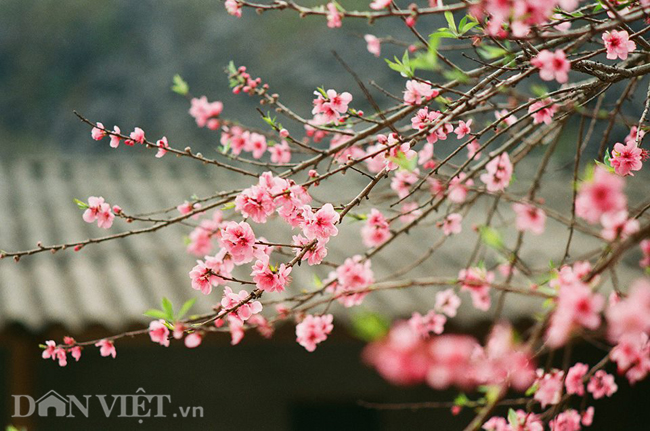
(179, 85)
(450, 22)
(168, 308)
(81, 204)
(156, 314)
(491, 237)
(513, 420)
(369, 326)
(185, 308)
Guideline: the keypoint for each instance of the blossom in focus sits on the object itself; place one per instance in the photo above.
(159, 332)
(618, 44)
(626, 158)
(106, 348)
(499, 172)
(313, 330)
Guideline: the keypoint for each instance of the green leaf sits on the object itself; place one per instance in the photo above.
(530, 391)
(461, 400)
(228, 206)
(608, 159)
(458, 75)
(491, 237)
(185, 308)
(268, 120)
(81, 204)
(168, 308)
(317, 282)
(369, 326)
(179, 85)
(403, 66)
(156, 314)
(404, 163)
(450, 21)
(512, 418)
(445, 32)
(232, 69)
(428, 60)
(322, 91)
(489, 52)
(466, 24)
(539, 90)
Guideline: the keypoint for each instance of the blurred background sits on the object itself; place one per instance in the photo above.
(113, 61)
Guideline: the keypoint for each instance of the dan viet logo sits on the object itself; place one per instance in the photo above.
(139, 405)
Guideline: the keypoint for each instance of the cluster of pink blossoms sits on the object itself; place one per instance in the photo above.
(446, 305)
(549, 389)
(418, 92)
(238, 245)
(477, 282)
(498, 173)
(350, 281)
(376, 230)
(601, 198)
(244, 311)
(200, 239)
(525, 422)
(159, 333)
(59, 354)
(388, 150)
(628, 327)
(330, 107)
(238, 140)
(404, 357)
(242, 81)
(100, 211)
(206, 113)
(99, 132)
(426, 119)
(577, 305)
(517, 16)
(334, 16)
(543, 111)
(601, 194)
(313, 330)
(571, 420)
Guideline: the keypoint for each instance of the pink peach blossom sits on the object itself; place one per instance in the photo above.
(313, 330)
(374, 44)
(529, 218)
(627, 158)
(618, 44)
(106, 348)
(552, 65)
(159, 332)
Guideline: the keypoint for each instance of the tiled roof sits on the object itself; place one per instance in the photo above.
(113, 283)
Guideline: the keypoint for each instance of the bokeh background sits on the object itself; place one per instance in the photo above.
(113, 61)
